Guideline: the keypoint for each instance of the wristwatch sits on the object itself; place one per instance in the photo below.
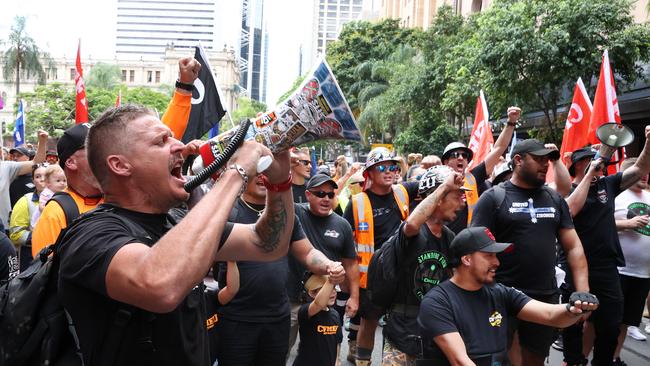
(184, 86)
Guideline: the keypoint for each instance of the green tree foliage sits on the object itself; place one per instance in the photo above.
(292, 89)
(22, 58)
(247, 108)
(104, 76)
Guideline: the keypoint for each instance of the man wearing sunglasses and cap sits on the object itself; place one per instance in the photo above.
(466, 318)
(374, 215)
(534, 217)
(592, 206)
(332, 235)
(457, 156)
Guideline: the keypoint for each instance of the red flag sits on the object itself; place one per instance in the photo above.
(481, 139)
(605, 107)
(81, 108)
(118, 101)
(577, 121)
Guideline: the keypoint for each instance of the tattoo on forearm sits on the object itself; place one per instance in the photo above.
(270, 228)
(317, 262)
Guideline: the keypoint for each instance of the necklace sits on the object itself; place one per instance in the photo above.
(259, 212)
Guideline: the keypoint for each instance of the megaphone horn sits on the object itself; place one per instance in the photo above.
(317, 110)
(612, 136)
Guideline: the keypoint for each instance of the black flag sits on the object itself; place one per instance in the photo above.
(207, 109)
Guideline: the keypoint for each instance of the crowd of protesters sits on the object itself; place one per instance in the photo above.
(488, 263)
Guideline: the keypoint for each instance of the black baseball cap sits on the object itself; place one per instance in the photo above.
(535, 147)
(475, 239)
(320, 179)
(584, 153)
(23, 150)
(73, 139)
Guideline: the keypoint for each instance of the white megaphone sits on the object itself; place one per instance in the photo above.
(317, 110)
(612, 136)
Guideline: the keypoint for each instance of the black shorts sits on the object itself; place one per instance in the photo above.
(635, 292)
(534, 337)
(367, 309)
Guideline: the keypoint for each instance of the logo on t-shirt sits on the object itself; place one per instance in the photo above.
(639, 209)
(327, 329)
(429, 272)
(332, 233)
(535, 212)
(602, 195)
(495, 319)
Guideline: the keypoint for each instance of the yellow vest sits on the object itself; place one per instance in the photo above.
(364, 228)
(471, 196)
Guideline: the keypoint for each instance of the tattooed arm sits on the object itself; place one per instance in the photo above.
(642, 166)
(316, 262)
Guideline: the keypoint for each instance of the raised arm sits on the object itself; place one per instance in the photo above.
(576, 201)
(453, 347)
(179, 108)
(502, 142)
(322, 298)
(316, 262)
(562, 184)
(642, 166)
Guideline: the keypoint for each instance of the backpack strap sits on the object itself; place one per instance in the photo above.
(67, 203)
(499, 196)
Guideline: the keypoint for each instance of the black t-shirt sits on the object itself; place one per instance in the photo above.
(319, 337)
(19, 187)
(9, 266)
(423, 262)
(480, 175)
(386, 215)
(262, 295)
(332, 235)
(178, 337)
(298, 193)
(531, 220)
(480, 317)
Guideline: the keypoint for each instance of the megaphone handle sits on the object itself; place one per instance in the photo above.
(264, 163)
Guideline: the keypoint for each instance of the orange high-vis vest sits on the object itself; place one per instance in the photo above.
(471, 196)
(364, 228)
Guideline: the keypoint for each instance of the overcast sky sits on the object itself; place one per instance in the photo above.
(56, 26)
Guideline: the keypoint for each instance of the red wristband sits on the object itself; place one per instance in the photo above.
(280, 187)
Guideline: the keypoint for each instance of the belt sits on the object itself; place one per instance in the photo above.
(408, 310)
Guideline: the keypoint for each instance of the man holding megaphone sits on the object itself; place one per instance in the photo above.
(592, 207)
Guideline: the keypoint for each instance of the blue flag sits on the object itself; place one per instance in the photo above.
(19, 128)
(314, 167)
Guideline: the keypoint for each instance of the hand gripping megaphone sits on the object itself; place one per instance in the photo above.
(612, 136)
(317, 110)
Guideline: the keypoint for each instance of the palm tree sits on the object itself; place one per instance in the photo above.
(104, 76)
(23, 57)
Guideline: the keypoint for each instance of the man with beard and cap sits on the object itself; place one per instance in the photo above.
(421, 261)
(592, 205)
(532, 216)
(466, 319)
(374, 215)
(457, 156)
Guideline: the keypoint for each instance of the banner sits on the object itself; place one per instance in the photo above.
(19, 128)
(81, 105)
(481, 139)
(207, 109)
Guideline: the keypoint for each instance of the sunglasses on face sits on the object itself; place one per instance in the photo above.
(459, 154)
(304, 162)
(322, 194)
(390, 168)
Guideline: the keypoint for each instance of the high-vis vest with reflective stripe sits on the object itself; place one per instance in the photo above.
(364, 228)
(471, 196)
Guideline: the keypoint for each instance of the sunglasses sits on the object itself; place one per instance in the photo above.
(304, 162)
(322, 194)
(459, 154)
(390, 168)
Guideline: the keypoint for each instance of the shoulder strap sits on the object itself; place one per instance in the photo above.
(554, 195)
(499, 196)
(402, 199)
(67, 203)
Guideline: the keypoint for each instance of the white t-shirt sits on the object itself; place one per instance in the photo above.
(635, 243)
(8, 172)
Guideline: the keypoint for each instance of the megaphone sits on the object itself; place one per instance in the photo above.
(612, 136)
(317, 110)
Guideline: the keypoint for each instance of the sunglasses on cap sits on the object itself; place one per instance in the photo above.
(322, 194)
(390, 168)
(304, 162)
(459, 154)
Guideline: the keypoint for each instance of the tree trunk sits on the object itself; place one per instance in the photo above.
(17, 79)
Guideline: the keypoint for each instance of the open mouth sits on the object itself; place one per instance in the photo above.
(177, 170)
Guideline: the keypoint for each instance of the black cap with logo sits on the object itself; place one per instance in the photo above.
(475, 239)
(534, 147)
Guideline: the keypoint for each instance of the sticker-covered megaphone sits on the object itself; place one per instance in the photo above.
(317, 110)
(612, 136)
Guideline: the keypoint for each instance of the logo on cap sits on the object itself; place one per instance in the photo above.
(489, 234)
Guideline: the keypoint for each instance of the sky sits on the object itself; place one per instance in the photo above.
(57, 25)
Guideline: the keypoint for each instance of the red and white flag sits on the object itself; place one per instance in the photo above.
(481, 139)
(81, 107)
(118, 101)
(605, 108)
(577, 121)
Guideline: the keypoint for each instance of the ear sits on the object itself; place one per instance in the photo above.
(517, 160)
(466, 260)
(71, 163)
(119, 165)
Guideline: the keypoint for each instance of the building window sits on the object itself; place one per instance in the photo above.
(149, 76)
(73, 73)
(157, 77)
(124, 75)
(477, 5)
(131, 75)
